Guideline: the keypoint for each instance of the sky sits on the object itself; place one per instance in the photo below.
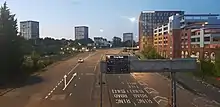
(105, 18)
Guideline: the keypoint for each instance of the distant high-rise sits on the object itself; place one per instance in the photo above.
(127, 36)
(81, 32)
(29, 29)
(149, 20)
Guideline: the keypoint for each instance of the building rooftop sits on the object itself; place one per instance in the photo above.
(153, 11)
(81, 26)
(28, 21)
(201, 14)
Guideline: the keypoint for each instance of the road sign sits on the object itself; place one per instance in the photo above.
(122, 64)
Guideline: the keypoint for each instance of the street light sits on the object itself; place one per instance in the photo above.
(132, 20)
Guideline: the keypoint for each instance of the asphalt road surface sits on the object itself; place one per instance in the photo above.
(81, 88)
(161, 86)
(124, 91)
(46, 89)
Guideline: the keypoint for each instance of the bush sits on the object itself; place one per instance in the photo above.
(207, 68)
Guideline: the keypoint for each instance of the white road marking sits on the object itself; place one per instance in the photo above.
(194, 104)
(75, 85)
(135, 104)
(142, 83)
(69, 81)
(163, 102)
(70, 94)
(68, 74)
(73, 69)
(79, 78)
(160, 99)
(150, 90)
(46, 97)
(122, 82)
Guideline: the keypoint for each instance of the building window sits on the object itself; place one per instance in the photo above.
(185, 34)
(215, 39)
(186, 46)
(193, 33)
(197, 39)
(206, 39)
(193, 39)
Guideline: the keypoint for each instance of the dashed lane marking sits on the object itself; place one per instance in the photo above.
(70, 94)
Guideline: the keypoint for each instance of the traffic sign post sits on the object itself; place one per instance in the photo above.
(173, 80)
(158, 65)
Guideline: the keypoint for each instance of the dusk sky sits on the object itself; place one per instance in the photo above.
(58, 17)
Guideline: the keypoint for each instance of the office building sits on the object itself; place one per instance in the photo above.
(127, 36)
(148, 20)
(190, 35)
(81, 32)
(29, 29)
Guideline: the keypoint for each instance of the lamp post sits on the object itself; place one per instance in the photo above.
(132, 20)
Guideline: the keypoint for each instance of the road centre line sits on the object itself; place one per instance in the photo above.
(73, 69)
(68, 74)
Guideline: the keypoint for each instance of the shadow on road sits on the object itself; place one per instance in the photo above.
(32, 80)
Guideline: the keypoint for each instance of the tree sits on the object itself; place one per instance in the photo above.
(35, 58)
(11, 55)
(150, 53)
(85, 42)
(217, 64)
(116, 42)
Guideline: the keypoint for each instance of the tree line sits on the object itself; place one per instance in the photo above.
(20, 57)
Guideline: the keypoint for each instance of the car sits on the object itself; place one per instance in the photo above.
(80, 60)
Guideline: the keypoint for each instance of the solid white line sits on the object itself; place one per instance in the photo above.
(73, 69)
(70, 81)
